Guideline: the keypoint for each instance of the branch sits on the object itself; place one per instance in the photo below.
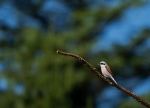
(139, 99)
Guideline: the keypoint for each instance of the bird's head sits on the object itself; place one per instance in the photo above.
(102, 63)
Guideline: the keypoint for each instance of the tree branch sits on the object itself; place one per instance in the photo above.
(139, 99)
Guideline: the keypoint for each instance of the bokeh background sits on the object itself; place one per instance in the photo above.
(33, 75)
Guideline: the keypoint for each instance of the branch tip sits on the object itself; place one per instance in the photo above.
(57, 51)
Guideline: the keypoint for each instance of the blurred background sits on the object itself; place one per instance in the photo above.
(33, 75)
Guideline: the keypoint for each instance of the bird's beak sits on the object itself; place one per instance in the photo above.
(98, 64)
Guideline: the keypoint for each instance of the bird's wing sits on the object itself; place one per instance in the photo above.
(108, 69)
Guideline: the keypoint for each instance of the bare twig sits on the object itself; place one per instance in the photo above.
(139, 99)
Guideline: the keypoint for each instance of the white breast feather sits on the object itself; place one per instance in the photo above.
(105, 72)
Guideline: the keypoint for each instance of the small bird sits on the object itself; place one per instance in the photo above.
(106, 71)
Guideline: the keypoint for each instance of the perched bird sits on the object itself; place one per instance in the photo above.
(106, 71)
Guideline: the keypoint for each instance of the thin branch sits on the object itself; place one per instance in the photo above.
(139, 99)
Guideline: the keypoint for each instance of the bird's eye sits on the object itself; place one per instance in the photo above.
(102, 63)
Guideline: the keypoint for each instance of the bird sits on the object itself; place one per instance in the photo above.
(105, 69)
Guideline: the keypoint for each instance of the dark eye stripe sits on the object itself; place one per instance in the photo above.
(102, 63)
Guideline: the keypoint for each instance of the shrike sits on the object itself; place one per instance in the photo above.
(106, 71)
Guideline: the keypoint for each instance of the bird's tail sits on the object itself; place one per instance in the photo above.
(113, 80)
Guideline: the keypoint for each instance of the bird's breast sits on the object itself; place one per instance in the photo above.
(104, 71)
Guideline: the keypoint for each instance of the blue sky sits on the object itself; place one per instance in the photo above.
(130, 24)
(8, 15)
